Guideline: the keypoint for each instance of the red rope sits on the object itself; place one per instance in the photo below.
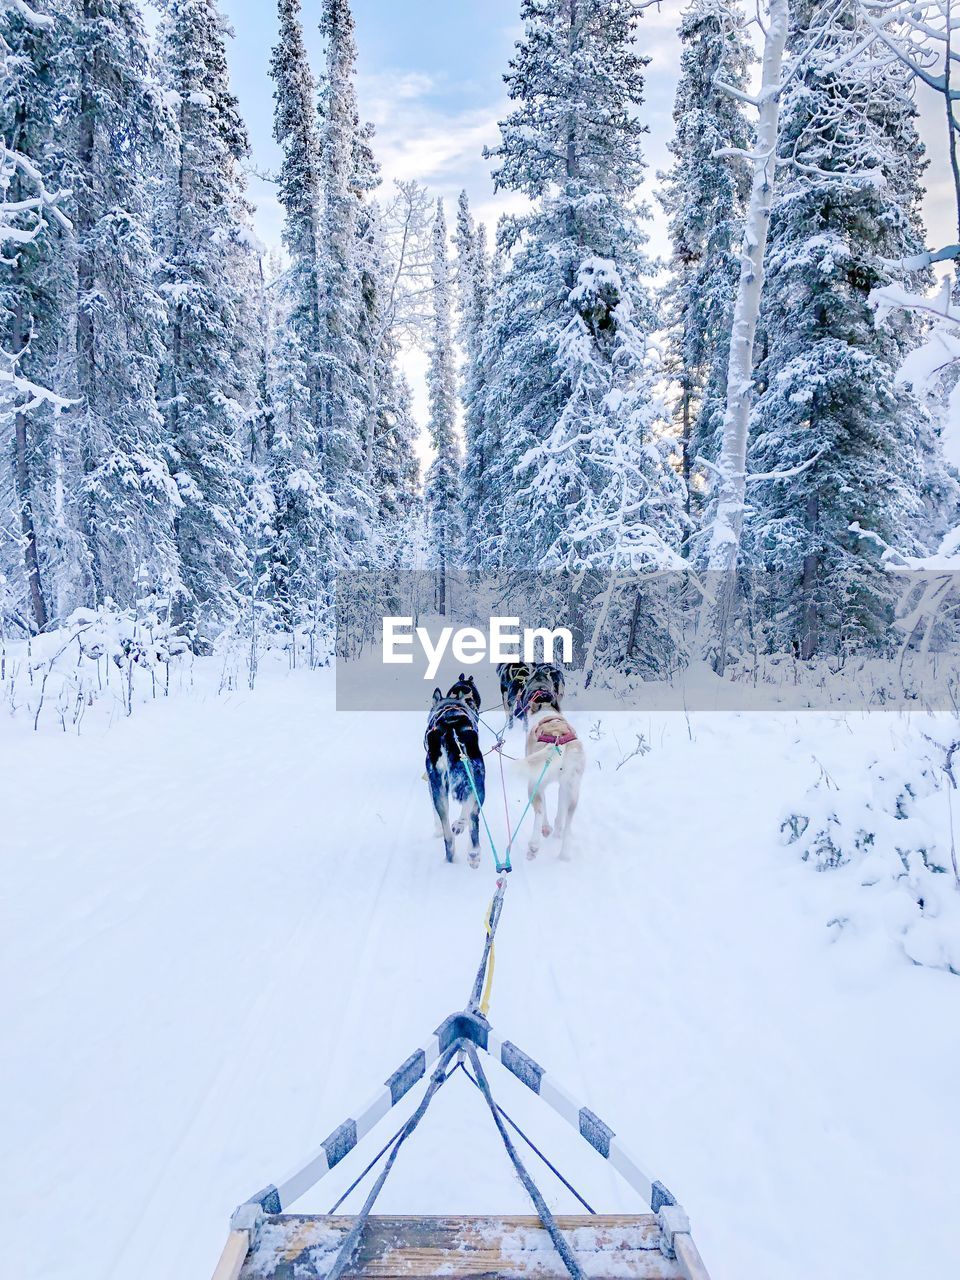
(498, 748)
(506, 807)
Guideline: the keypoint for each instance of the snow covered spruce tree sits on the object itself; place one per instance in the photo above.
(395, 279)
(345, 415)
(579, 477)
(704, 196)
(302, 548)
(395, 471)
(209, 369)
(119, 487)
(862, 448)
(391, 471)
(442, 488)
(389, 252)
(472, 271)
(257, 338)
(31, 248)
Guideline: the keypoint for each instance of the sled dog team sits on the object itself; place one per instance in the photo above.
(531, 694)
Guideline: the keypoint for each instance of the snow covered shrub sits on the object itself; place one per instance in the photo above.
(257, 635)
(108, 655)
(882, 822)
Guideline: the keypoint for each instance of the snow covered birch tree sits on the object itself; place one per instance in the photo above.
(394, 257)
(727, 500)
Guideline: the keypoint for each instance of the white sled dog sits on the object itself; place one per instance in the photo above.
(549, 730)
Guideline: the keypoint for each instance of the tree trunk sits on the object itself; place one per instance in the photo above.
(575, 619)
(953, 128)
(86, 337)
(177, 253)
(634, 623)
(810, 638)
(23, 480)
(319, 402)
(685, 458)
(727, 524)
(24, 489)
(572, 159)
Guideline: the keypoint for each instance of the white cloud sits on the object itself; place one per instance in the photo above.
(419, 136)
(939, 205)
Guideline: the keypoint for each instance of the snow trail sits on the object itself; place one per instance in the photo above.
(235, 922)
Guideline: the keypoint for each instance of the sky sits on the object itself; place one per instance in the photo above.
(429, 77)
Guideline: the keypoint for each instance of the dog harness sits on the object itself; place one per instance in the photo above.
(451, 710)
(536, 695)
(556, 731)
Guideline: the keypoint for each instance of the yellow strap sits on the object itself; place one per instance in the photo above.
(491, 965)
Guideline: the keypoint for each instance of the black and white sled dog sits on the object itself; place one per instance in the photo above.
(545, 683)
(520, 679)
(513, 679)
(452, 744)
(465, 690)
(550, 673)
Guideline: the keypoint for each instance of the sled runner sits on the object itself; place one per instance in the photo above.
(268, 1243)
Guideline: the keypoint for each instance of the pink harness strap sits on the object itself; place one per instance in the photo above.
(556, 731)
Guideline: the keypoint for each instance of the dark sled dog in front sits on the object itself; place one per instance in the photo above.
(548, 675)
(465, 690)
(452, 744)
(513, 679)
(544, 684)
(519, 679)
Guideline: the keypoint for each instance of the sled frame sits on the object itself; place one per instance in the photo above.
(457, 1033)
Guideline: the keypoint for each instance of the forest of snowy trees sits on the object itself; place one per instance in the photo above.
(198, 428)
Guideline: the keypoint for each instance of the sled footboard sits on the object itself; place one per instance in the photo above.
(611, 1247)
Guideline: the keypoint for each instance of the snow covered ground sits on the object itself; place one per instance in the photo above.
(226, 920)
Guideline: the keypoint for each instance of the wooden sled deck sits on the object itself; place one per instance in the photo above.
(608, 1247)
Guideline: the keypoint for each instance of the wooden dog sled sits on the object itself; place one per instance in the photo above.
(267, 1243)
